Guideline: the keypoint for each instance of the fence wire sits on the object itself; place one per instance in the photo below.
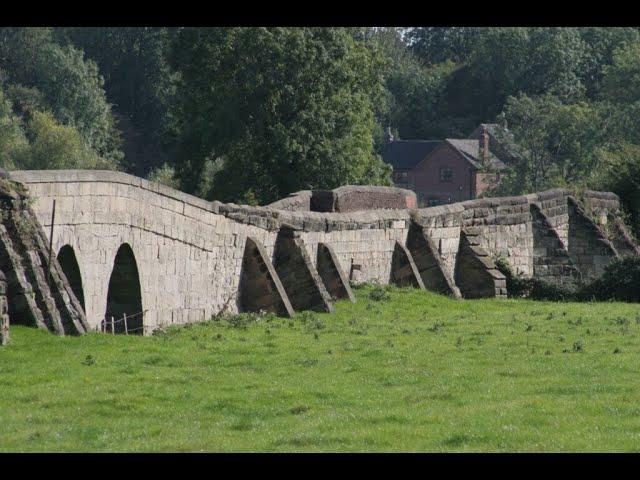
(108, 325)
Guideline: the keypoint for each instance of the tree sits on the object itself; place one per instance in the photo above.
(282, 109)
(63, 82)
(441, 44)
(56, 146)
(621, 82)
(557, 143)
(411, 105)
(620, 173)
(534, 61)
(138, 81)
(601, 43)
(13, 143)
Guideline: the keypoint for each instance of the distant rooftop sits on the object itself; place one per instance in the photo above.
(406, 154)
(470, 149)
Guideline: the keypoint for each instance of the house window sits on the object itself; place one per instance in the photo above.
(446, 175)
(401, 177)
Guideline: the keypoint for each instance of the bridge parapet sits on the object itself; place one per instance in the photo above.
(189, 252)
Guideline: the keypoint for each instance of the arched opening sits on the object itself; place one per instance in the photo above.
(69, 263)
(124, 300)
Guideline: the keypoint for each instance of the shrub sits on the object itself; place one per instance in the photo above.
(242, 320)
(379, 294)
(310, 321)
(534, 288)
(164, 175)
(620, 281)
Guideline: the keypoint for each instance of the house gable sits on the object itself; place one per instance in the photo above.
(446, 146)
(446, 175)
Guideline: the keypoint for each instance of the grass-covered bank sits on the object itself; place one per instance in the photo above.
(415, 372)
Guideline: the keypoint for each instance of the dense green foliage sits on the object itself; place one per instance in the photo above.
(138, 81)
(278, 110)
(52, 98)
(252, 114)
(532, 287)
(412, 372)
(619, 282)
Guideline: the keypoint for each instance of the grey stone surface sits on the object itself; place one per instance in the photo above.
(551, 260)
(190, 252)
(349, 198)
(298, 274)
(476, 273)
(429, 262)
(404, 272)
(4, 312)
(260, 286)
(588, 247)
(37, 291)
(333, 276)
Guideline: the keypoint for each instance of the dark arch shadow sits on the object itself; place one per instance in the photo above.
(69, 263)
(124, 296)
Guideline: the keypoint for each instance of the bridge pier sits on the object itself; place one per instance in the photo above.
(195, 258)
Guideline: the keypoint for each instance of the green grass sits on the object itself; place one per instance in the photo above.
(416, 372)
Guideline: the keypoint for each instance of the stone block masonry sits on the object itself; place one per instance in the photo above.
(195, 258)
(4, 312)
(476, 273)
(333, 276)
(589, 247)
(260, 287)
(37, 291)
(298, 274)
(551, 259)
(429, 263)
(404, 272)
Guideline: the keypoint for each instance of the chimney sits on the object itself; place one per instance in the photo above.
(389, 136)
(484, 146)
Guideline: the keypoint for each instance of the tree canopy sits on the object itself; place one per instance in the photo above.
(252, 114)
(278, 110)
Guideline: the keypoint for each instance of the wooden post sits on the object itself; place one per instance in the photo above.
(126, 329)
(113, 327)
(4, 329)
(53, 219)
(4, 312)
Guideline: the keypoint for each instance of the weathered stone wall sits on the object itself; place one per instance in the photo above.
(296, 202)
(188, 256)
(349, 198)
(588, 245)
(442, 224)
(553, 204)
(600, 205)
(551, 260)
(503, 227)
(189, 253)
(4, 312)
(37, 291)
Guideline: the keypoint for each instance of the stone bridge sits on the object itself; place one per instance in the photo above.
(127, 245)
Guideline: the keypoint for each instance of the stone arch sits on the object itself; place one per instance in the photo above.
(69, 264)
(124, 295)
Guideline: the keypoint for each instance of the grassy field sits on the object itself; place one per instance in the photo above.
(414, 372)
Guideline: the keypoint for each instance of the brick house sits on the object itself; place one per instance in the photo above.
(449, 170)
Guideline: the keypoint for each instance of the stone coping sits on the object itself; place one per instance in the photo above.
(271, 218)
